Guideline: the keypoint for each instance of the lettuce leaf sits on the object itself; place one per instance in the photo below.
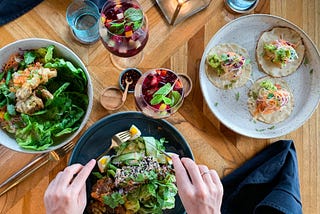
(61, 115)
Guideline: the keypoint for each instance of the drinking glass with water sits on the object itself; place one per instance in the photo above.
(83, 19)
(241, 6)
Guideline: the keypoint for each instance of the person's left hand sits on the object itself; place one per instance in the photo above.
(67, 192)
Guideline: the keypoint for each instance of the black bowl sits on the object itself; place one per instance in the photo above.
(134, 74)
(98, 138)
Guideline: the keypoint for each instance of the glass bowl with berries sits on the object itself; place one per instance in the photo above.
(123, 31)
(159, 93)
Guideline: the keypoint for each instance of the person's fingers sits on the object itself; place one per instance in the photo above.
(67, 175)
(80, 180)
(54, 184)
(205, 174)
(216, 180)
(181, 173)
(194, 172)
(203, 168)
(53, 188)
(82, 200)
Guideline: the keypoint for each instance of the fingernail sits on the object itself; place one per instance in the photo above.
(92, 161)
(175, 156)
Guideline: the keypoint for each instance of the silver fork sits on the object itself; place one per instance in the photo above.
(113, 144)
(122, 136)
(126, 135)
(33, 166)
(116, 140)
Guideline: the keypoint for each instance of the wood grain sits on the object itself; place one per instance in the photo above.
(179, 48)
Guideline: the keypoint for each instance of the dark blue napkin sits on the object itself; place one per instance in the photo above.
(12, 9)
(267, 183)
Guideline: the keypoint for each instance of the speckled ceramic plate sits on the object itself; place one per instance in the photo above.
(97, 139)
(230, 106)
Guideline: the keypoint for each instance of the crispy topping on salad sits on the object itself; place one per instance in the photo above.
(137, 179)
(228, 64)
(280, 52)
(26, 82)
(270, 98)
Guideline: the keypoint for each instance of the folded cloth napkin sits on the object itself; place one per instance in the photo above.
(10, 9)
(267, 183)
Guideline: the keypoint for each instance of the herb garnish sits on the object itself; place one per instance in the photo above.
(271, 127)
(132, 18)
(237, 96)
(166, 95)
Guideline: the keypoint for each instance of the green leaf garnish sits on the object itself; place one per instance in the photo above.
(237, 95)
(133, 14)
(132, 17)
(117, 28)
(271, 127)
(166, 100)
(166, 95)
(164, 90)
(175, 97)
(156, 99)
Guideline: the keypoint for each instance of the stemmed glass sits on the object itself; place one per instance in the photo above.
(123, 30)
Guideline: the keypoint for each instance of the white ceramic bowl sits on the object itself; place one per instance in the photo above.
(61, 51)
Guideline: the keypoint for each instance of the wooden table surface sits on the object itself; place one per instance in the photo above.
(179, 48)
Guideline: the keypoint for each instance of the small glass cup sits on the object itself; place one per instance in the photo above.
(147, 88)
(241, 6)
(83, 19)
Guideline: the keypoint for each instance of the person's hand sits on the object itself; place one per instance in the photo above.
(202, 192)
(67, 191)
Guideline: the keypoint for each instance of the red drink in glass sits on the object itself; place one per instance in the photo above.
(159, 93)
(123, 27)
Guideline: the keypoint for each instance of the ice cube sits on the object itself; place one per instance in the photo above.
(120, 16)
(111, 43)
(123, 49)
(103, 32)
(135, 44)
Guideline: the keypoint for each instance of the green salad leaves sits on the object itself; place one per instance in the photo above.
(138, 178)
(62, 107)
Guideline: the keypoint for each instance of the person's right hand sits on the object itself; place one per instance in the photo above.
(67, 191)
(202, 192)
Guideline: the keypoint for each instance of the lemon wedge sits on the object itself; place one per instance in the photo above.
(135, 132)
(169, 160)
(103, 162)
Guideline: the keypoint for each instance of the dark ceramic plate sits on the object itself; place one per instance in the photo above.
(98, 138)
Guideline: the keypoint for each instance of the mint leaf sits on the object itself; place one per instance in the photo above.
(164, 90)
(117, 28)
(166, 100)
(175, 97)
(133, 14)
(136, 25)
(156, 99)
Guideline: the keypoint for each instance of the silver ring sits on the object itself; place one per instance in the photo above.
(206, 172)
